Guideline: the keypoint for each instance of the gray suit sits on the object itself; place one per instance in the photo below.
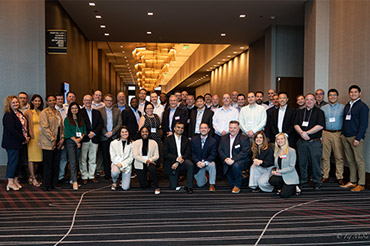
(117, 122)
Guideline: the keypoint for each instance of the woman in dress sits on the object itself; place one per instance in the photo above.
(34, 152)
(121, 157)
(74, 131)
(146, 154)
(15, 134)
(263, 162)
(284, 176)
(51, 140)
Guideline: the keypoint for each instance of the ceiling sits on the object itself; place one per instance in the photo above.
(179, 22)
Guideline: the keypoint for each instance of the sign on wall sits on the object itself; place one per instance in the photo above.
(56, 41)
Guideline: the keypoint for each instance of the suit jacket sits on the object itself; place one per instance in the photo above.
(240, 150)
(207, 118)
(153, 153)
(288, 172)
(12, 134)
(207, 153)
(117, 123)
(268, 119)
(120, 156)
(170, 151)
(129, 120)
(288, 126)
(94, 126)
(179, 115)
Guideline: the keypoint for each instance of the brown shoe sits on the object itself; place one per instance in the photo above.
(84, 181)
(324, 180)
(212, 188)
(348, 185)
(95, 181)
(235, 190)
(340, 182)
(358, 188)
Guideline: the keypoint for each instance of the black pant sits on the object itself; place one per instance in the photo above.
(142, 175)
(51, 160)
(173, 176)
(278, 182)
(106, 156)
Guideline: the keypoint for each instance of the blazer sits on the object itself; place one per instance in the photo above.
(12, 132)
(207, 118)
(207, 153)
(240, 150)
(117, 122)
(49, 123)
(129, 120)
(179, 115)
(288, 123)
(153, 153)
(288, 172)
(170, 151)
(94, 126)
(117, 155)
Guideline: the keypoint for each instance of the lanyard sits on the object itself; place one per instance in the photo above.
(350, 107)
(309, 117)
(77, 128)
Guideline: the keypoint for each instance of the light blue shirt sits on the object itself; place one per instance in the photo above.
(89, 113)
(172, 112)
(333, 116)
(198, 120)
(109, 119)
(121, 108)
(136, 113)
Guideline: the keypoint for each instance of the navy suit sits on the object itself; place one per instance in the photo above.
(207, 153)
(94, 126)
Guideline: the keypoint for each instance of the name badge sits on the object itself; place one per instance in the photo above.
(177, 117)
(188, 121)
(78, 134)
(348, 117)
(250, 121)
(283, 157)
(237, 146)
(153, 130)
(305, 123)
(331, 120)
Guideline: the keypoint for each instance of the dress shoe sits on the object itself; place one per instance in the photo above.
(212, 188)
(348, 185)
(84, 181)
(358, 188)
(235, 190)
(317, 187)
(94, 180)
(340, 182)
(324, 180)
(188, 190)
(256, 190)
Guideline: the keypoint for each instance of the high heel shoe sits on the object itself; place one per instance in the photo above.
(18, 185)
(33, 181)
(8, 187)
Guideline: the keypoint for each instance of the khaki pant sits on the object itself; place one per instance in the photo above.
(88, 160)
(331, 142)
(355, 158)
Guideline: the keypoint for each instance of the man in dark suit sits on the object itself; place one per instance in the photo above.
(269, 113)
(173, 114)
(203, 153)
(130, 118)
(198, 116)
(89, 149)
(112, 122)
(176, 152)
(234, 152)
(282, 119)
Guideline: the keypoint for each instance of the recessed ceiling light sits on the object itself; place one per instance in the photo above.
(121, 46)
(126, 60)
(242, 15)
(106, 34)
(223, 59)
(98, 16)
(235, 52)
(150, 13)
(125, 56)
(272, 17)
(102, 26)
(223, 34)
(149, 33)
(228, 56)
(92, 4)
(218, 62)
(242, 47)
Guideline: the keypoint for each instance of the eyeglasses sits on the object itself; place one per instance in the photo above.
(320, 93)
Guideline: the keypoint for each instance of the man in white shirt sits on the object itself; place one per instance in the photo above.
(252, 117)
(234, 97)
(142, 100)
(158, 108)
(97, 103)
(60, 106)
(241, 102)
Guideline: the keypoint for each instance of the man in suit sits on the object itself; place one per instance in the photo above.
(177, 157)
(89, 149)
(269, 113)
(270, 94)
(281, 120)
(130, 118)
(234, 152)
(142, 100)
(201, 115)
(204, 152)
(173, 114)
(112, 121)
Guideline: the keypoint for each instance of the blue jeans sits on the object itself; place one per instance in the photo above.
(200, 176)
(126, 177)
(63, 162)
(73, 155)
(14, 163)
(234, 174)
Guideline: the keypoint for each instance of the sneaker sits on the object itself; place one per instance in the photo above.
(358, 188)
(235, 190)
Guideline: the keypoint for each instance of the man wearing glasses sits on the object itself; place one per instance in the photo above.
(319, 95)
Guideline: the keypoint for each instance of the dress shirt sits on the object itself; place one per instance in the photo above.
(62, 110)
(121, 108)
(203, 141)
(252, 118)
(141, 107)
(109, 119)
(232, 139)
(158, 110)
(178, 144)
(95, 105)
(89, 114)
(235, 105)
(172, 112)
(222, 118)
(281, 114)
(136, 113)
(198, 120)
(333, 116)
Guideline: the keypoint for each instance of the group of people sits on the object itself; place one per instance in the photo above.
(194, 137)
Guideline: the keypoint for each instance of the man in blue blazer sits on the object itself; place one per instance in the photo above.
(234, 152)
(203, 153)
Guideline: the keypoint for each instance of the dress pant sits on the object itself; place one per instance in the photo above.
(234, 174)
(285, 190)
(63, 161)
(51, 160)
(188, 166)
(259, 177)
(200, 176)
(14, 165)
(355, 158)
(73, 155)
(309, 152)
(331, 143)
(142, 176)
(126, 177)
(106, 156)
(218, 161)
(88, 159)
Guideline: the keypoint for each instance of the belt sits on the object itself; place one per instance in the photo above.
(313, 140)
(333, 130)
